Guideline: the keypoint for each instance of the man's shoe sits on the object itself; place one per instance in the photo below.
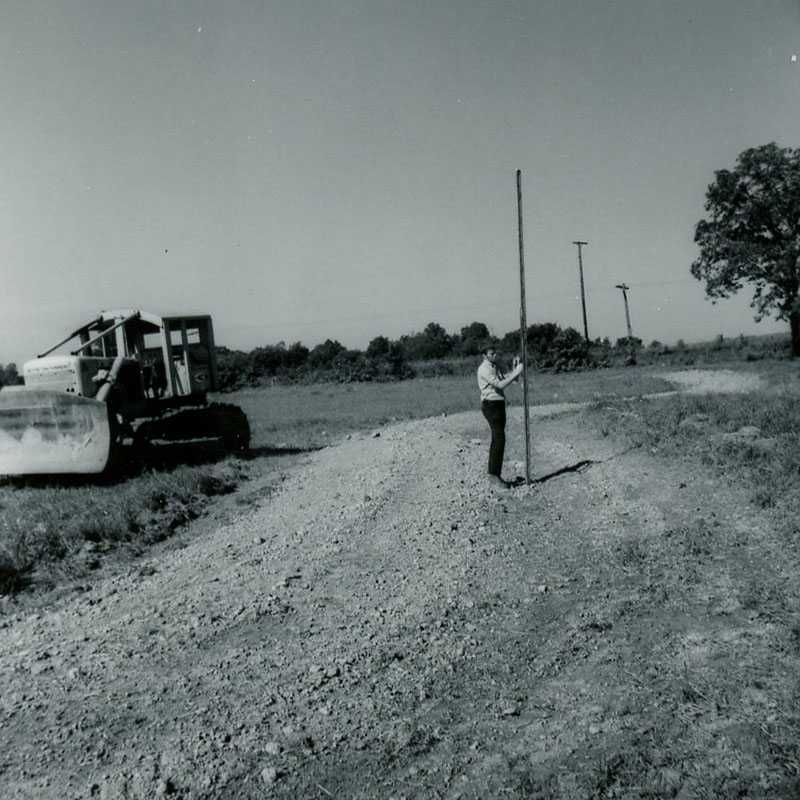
(496, 480)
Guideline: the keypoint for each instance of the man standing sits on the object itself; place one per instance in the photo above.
(491, 383)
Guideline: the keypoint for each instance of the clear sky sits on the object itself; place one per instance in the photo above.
(305, 170)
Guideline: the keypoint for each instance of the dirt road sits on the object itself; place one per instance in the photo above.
(382, 624)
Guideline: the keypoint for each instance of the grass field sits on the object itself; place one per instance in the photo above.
(311, 416)
(58, 531)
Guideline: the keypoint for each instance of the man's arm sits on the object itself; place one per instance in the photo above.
(501, 383)
(515, 373)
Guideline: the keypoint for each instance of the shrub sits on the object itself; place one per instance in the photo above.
(378, 347)
(569, 351)
(433, 342)
(46, 527)
(473, 340)
(9, 375)
(323, 355)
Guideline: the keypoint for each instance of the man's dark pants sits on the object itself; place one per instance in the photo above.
(495, 413)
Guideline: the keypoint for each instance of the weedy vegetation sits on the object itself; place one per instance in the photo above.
(732, 712)
(752, 438)
(56, 532)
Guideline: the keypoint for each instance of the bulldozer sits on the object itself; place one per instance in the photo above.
(131, 381)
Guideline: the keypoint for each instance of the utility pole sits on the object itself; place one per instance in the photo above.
(625, 288)
(631, 347)
(583, 293)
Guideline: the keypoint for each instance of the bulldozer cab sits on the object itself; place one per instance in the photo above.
(177, 357)
(172, 356)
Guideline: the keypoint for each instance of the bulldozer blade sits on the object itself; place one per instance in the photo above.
(45, 432)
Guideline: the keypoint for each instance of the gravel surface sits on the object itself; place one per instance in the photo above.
(381, 624)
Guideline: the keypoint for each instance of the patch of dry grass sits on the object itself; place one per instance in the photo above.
(754, 435)
(51, 531)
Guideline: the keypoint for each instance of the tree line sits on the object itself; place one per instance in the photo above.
(548, 346)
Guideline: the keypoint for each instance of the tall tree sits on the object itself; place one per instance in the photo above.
(474, 337)
(752, 234)
(323, 354)
(378, 347)
(433, 342)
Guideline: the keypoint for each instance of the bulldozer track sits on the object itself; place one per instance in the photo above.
(219, 421)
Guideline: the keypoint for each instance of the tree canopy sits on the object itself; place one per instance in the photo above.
(9, 375)
(433, 342)
(752, 234)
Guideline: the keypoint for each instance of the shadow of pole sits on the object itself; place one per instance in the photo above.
(580, 466)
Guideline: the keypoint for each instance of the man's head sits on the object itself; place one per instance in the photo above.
(491, 355)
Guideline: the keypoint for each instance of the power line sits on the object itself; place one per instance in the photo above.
(646, 284)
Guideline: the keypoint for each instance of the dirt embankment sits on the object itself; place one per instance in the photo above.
(383, 624)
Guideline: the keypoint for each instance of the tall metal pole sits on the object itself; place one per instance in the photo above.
(625, 288)
(583, 293)
(523, 331)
